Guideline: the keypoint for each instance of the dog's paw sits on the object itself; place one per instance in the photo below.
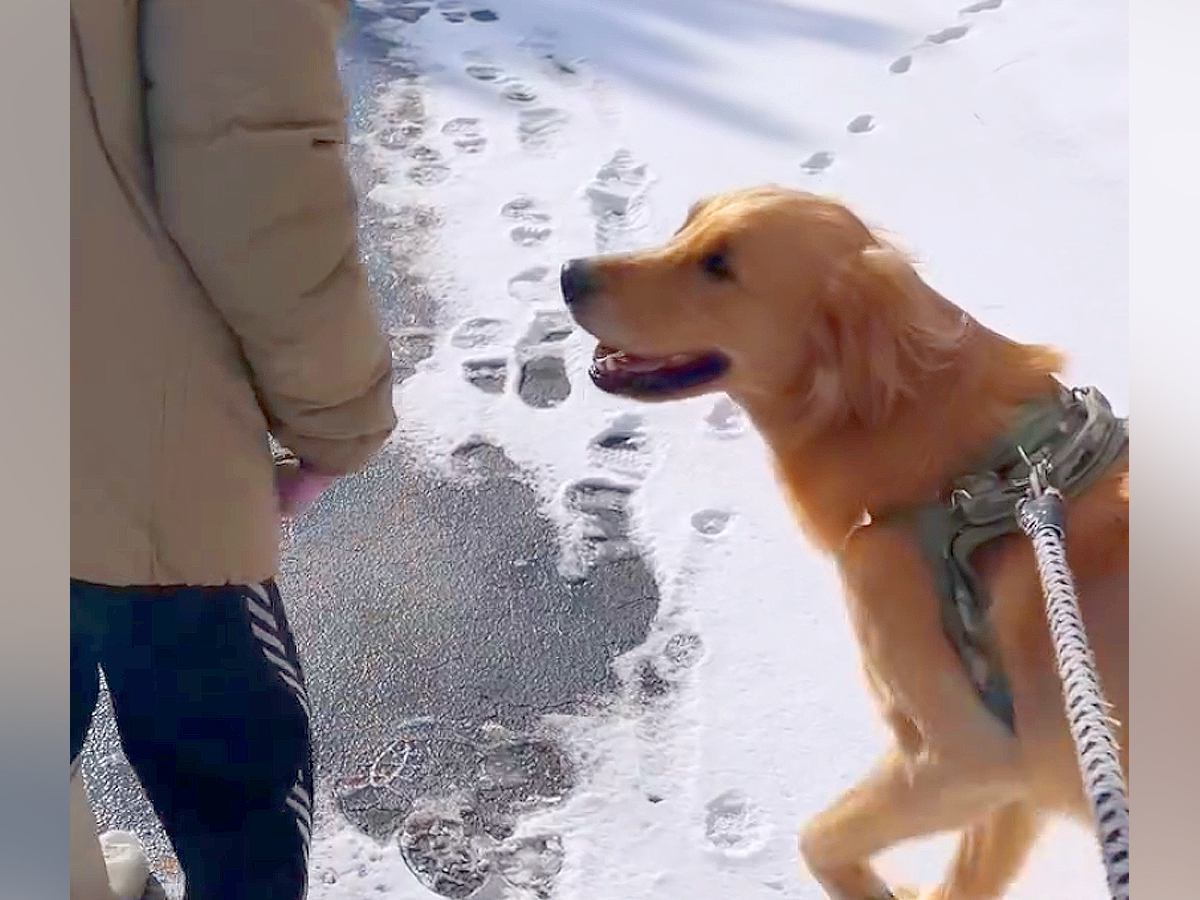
(906, 892)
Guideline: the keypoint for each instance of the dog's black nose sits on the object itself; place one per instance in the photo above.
(576, 280)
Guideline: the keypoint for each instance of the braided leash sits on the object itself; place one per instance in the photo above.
(1042, 517)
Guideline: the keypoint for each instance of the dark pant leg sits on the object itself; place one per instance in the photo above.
(213, 715)
(86, 632)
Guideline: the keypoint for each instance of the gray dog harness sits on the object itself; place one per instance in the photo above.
(1077, 436)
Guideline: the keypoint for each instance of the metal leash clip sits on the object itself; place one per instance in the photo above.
(1042, 506)
(1038, 481)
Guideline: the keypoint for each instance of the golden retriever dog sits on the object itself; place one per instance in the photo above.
(874, 393)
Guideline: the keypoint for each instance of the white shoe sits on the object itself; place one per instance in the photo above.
(125, 860)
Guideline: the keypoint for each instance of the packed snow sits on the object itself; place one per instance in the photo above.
(989, 140)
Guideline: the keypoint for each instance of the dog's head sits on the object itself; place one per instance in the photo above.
(765, 293)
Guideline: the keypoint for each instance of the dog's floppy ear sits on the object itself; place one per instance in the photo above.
(879, 330)
(694, 210)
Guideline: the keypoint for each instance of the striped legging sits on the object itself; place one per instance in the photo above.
(213, 715)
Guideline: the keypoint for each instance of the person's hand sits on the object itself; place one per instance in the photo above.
(297, 486)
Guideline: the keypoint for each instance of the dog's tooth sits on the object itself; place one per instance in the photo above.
(647, 364)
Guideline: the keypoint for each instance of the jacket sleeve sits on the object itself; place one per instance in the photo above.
(246, 125)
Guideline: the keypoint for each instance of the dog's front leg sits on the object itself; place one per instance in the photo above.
(990, 853)
(903, 798)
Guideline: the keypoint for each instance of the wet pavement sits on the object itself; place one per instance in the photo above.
(433, 622)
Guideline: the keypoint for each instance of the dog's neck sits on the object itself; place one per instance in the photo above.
(839, 475)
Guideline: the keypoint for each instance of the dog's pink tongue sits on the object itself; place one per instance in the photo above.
(609, 358)
(639, 363)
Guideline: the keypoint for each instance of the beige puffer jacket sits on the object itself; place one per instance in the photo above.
(216, 289)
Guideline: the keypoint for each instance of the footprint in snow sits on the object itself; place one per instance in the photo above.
(409, 14)
(549, 326)
(622, 447)
(539, 129)
(531, 864)
(403, 68)
(428, 174)
(407, 106)
(982, 6)
(617, 184)
(543, 43)
(524, 209)
(601, 507)
(734, 825)
(478, 332)
(955, 32)
(567, 70)
(861, 124)
(531, 284)
(540, 40)
(543, 382)
(530, 235)
(459, 845)
(533, 227)
(403, 119)
(484, 71)
(648, 686)
(444, 851)
(400, 136)
(452, 11)
(423, 153)
(818, 162)
(409, 347)
(529, 765)
(430, 168)
(489, 375)
(711, 522)
(946, 35)
(466, 133)
(618, 199)
(519, 92)
(682, 651)
(726, 419)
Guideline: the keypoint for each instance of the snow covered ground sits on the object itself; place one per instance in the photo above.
(991, 141)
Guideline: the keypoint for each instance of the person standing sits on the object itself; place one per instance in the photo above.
(217, 297)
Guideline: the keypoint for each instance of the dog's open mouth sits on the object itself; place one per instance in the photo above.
(618, 372)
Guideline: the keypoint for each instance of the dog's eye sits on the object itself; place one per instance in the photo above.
(716, 265)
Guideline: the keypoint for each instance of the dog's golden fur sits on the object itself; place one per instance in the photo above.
(874, 392)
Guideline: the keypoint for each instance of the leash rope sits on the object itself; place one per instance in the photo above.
(1042, 518)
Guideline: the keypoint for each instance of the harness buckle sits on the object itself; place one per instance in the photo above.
(959, 497)
(1038, 481)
